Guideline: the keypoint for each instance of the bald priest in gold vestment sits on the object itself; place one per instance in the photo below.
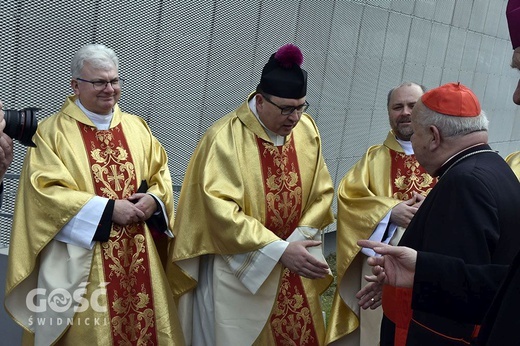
(92, 222)
(377, 198)
(254, 201)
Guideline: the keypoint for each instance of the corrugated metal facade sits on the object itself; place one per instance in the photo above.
(189, 62)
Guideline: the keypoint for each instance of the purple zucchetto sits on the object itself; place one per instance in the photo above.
(283, 76)
(513, 21)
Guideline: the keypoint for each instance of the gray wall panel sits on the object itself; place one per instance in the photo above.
(462, 14)
(424, 9)
(485, 54)
(455, 49)
(413, 72)
(372, 33)
(438, 44)
(397, 38)
(393, 76)
(494, 15)
(471, 52)
(331, 126)
(385, 4)
(432, 76)
(378, 126)
(491, 95)
(444, 12)
(513, 146)
(515, 133)
(355, 133)
(450, 74)
(478, 15)
(501, 52)
(406, 7)
(502, 31)
(479, 84)
(419, 41)
(188, 63)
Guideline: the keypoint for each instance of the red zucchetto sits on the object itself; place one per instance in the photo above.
(452, 99)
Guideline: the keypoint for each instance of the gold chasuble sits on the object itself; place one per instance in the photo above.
(240, 195)
(384, 177)
(116, 292)
(513, 160)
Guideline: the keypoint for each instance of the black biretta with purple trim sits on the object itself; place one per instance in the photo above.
(283, 76)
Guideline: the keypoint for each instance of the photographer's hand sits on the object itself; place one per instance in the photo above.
(2, 120)
(6, 153)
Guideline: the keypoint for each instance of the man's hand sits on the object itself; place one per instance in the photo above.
(516, 58)
(370, 295)
(395, 267)
(403, 213)
(2, 120)
(126, 212)
(298, 260)
(145, 203)
(6, 153)
(418, 199)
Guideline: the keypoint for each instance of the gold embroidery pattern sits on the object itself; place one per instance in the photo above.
(132, 316)
(125, 259)
(409, 177)
(292, 319)
(111, 167)
(284, 194)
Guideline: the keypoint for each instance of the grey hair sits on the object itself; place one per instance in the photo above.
(98, 55)
(423, 88)
(450, 126)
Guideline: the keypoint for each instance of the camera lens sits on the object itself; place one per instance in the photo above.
(21, 124)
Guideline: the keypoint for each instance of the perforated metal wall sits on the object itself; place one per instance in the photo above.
(189, 62)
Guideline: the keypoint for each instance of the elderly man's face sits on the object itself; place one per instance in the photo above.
(97, 101)
(516, 65)
(402, 101)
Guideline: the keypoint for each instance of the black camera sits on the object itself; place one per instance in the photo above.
(21, 124)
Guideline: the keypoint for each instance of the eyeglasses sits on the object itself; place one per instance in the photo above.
(102, 84)
(287, 110)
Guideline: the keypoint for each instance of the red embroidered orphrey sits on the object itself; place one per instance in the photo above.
(125, 258)
(291, 318)
(408, 176)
